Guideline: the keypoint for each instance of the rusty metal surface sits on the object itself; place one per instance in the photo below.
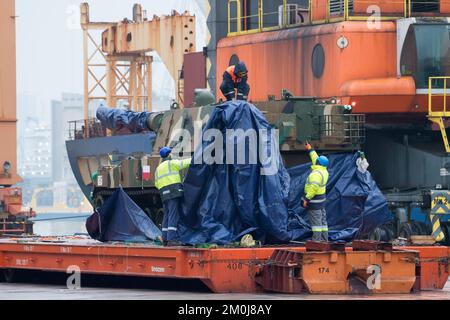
(117, 65)
(433, 266)
(170, 36)
(221, 270)
(194, 75)
(332, 272)
(8, 92)
(296, 74)
(359, 245)
(238, 270)
(324, 246)
(374, 87)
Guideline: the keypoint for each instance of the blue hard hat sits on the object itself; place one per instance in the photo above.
(323, 161)
(240, 68)
(165, 152)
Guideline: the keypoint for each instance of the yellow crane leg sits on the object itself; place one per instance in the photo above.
(440, 122)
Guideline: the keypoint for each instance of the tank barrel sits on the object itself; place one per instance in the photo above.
(118, 119)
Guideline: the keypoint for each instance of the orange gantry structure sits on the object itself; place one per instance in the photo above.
(8, 118)
(317, 269)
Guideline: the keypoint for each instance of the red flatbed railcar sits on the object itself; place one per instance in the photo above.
(237, 270)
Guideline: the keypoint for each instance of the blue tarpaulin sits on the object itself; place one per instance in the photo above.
(355, 206)
(116, 119)
(224, 201)
(120, 219)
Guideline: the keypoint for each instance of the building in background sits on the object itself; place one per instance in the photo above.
(70, 108)
(33, 147)
(49, 185)
(36, 162)
(66, 195)
(33, 141)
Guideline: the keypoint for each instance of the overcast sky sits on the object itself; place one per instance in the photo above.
(49, 40)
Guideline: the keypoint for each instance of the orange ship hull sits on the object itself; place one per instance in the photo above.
(364, 72)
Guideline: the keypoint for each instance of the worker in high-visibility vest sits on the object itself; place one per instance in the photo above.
(235, 79)
(315, 195)
(168, 182)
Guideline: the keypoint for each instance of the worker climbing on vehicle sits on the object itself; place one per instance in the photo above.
(315, 195)
(168, 182)
(235, 79)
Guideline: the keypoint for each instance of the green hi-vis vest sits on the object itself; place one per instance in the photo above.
(316, 184)
(168, 172)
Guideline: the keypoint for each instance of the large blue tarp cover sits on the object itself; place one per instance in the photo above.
(225, 201)
(222, 202)
(116, 119)
(120, 219)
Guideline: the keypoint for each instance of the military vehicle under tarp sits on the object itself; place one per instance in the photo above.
(328, 126)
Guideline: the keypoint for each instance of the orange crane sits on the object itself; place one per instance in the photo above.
(13, 219)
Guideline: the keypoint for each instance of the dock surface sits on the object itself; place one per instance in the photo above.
(42, 291)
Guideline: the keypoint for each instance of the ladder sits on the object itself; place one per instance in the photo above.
(438, 112)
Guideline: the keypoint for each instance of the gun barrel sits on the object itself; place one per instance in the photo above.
(117, 119)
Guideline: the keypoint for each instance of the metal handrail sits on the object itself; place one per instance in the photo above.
(434, 116)
(77, 129)
(238, 15)
(260, 15)
(349, 128)
(432, 93)
(345, 15)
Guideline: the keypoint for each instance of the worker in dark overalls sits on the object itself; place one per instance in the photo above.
(168, 182)
(315, 195)
(235, 81)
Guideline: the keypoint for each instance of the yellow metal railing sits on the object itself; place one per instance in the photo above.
(235, 18)
(319, 12)
(238, 17)
(348, 14)
(437, 90)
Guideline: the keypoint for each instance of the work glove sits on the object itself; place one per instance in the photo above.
(304, 203)
(362, 164)
(308, 146)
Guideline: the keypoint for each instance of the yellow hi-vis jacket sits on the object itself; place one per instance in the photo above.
(168, 172)
(316, 184)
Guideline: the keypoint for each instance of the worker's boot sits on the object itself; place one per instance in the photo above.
(173, 244)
